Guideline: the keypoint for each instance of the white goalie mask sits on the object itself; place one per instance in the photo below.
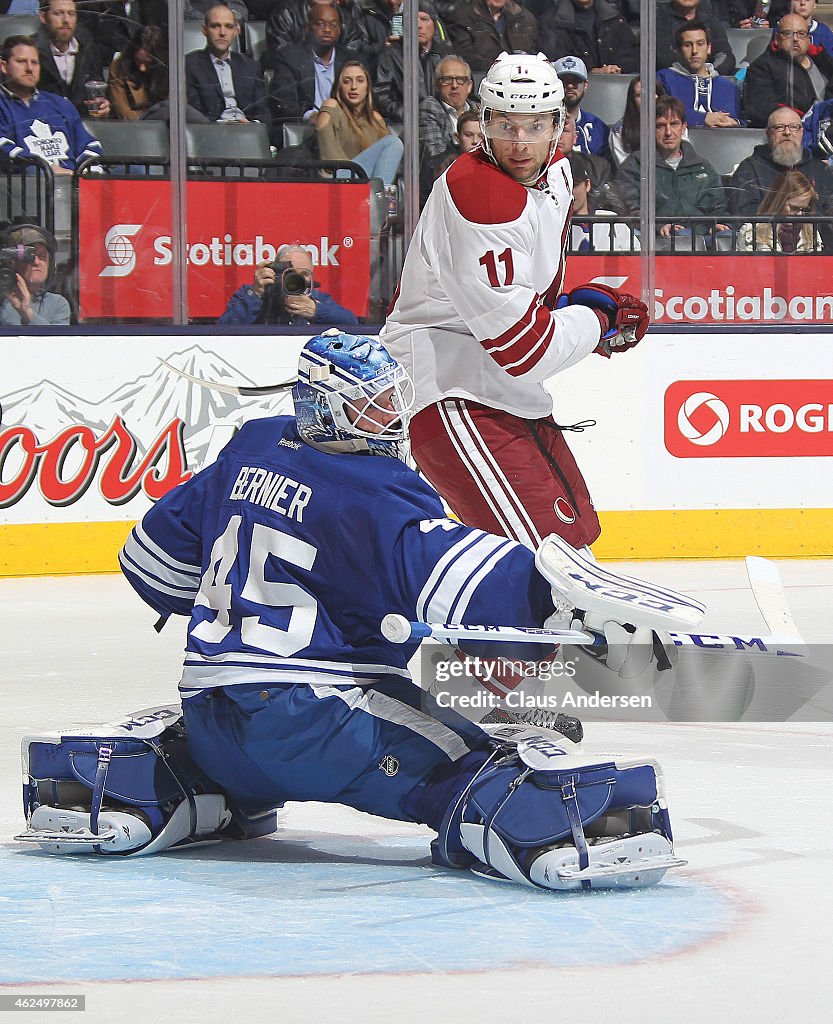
(521, 83)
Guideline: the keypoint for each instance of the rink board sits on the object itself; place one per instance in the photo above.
(705, 445)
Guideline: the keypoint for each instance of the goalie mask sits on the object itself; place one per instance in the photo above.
(352, 396)
(521, 83)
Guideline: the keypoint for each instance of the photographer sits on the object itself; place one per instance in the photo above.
(27, 255)
(284, 292)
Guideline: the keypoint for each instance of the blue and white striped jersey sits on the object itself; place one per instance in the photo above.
(287, 558)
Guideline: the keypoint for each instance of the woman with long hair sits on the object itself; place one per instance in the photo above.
(791, 195)
(624, 135)
(349, 127)
(139, 76)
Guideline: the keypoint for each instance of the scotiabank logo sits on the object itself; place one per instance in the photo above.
(749, 419)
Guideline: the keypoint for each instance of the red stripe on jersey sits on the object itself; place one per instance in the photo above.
(490, 344)
(535, 353)
(482, 193)
(525, 345)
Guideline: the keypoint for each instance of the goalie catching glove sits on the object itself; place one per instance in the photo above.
(626, 316)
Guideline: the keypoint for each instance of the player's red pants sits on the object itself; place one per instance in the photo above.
(504, 474)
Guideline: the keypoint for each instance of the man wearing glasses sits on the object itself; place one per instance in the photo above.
(791, 72)
(438, 115)
(783, 151)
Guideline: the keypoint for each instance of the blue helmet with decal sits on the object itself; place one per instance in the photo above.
(351, 395)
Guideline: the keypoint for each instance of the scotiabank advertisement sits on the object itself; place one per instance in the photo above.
(721, 289)
(125, 251)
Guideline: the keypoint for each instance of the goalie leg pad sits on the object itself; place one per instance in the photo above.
(544, 817)
(127, 789)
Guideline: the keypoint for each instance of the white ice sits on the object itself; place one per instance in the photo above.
(340, 916)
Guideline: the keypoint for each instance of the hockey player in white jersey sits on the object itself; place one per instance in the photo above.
(480, 323)
(285, 555)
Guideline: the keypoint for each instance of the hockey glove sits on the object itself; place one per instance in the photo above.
(629, 650)
(627, 316)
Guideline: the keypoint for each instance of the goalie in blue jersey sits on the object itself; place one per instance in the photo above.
(285, 555)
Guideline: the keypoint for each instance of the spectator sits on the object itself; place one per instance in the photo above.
(350, 128)
(288, 25)
(469, 134)
(305, 73)
(624, 135)
(482, 29)
(69, 58)
(29, 303)
(709, 99)
(389, 71)
(586, 237)
(670, 19)
(740, 13)
(594, 31)
(592, 131)
(223, 85)
(818, 135)
(820, 34)
(792, 195)
(196, 10)
(266, 301)
(138, 77)
(753, 181)
(788, 73)
(686, 185)
(604, 190)
(439, 113)
(38, 122)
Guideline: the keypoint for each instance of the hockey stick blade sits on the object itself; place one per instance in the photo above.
(241, 390)
(399, 630)
(771, 599)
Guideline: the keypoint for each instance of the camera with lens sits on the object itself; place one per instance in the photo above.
(10, 257)
(288, 283)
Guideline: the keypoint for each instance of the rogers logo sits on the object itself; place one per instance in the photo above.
(120, 250)
(703, 434)
(749, 419)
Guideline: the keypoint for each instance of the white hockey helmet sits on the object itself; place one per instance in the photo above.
(521, 83)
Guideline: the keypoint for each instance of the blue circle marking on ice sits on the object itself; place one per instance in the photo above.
(318, 905)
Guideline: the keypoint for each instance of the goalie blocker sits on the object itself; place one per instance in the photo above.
(126, 789)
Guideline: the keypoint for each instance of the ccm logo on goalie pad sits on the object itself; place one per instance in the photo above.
(628, 596)
(539, 751)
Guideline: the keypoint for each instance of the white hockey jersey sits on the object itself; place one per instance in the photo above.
(473, 316)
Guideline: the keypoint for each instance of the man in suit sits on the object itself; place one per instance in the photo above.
(223, 85)
(305, 72)
(69, 58)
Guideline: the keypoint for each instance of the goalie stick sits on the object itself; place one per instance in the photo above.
(764, 581)
(241, 390)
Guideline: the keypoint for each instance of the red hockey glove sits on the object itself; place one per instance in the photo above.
(627, 316)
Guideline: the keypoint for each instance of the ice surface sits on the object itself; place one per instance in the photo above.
(341, 916)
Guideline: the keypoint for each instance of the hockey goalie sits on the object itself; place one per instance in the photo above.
(285, 556)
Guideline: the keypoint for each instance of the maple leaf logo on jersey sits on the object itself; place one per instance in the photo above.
(52, 146)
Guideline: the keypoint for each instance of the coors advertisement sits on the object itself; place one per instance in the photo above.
(76, 453)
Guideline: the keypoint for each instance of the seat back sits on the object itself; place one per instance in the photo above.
(748, 43)
(724, 148)
(235, 141)
(134, 140)
(18, 25)
(295, 133)
(606, 95)
(255, 38)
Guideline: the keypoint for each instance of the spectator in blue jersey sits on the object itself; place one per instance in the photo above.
(592, 131)
(34, 122)
(709, 99)
(30, 303)
(820, 34)
(672, 16)
(267, 301)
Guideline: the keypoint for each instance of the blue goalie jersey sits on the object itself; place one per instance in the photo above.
(287, 558)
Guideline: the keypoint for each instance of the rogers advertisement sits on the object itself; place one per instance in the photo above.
(749, 418)
(721, 289)
(124, 238)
